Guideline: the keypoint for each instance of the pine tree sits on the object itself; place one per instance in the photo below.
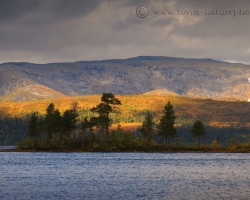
(41, 126)
(86, 124)
(109, 105)
(167, 122)
(75, 114)
(57, 123)
(198, 130)
(68, 122)
(147, 128)
(49, 122)
(33, 130)
(52, 122)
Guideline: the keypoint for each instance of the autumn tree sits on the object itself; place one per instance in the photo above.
(166, 125)
(198, 130)
(109, 104)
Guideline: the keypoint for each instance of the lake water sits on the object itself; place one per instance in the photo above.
(124, 176)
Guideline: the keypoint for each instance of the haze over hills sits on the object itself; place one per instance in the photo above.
(203, 78)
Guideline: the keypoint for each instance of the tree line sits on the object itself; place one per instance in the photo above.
(13, 130)
(166, 129)
(56, 130)
(87, 129)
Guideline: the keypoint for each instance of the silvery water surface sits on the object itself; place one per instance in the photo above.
(124, 176)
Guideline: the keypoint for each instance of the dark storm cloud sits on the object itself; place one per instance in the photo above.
(13, 10)
(60, 30)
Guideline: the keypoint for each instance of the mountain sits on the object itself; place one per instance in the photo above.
(203, 78)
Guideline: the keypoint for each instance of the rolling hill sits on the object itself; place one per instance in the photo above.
(199, 78)
(211, 112)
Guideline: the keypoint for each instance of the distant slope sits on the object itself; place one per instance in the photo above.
(31, 92)
(160, 92)
(203, 78)
(217, 113)
(15, 85)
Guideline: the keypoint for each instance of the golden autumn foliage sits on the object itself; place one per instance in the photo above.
(211, 112)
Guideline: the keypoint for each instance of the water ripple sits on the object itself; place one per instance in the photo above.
(124, 176)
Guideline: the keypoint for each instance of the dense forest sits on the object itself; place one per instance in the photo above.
(89, 128)
(14, 130)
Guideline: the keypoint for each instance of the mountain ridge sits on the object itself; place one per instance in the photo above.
(202, 78)
(122, 59)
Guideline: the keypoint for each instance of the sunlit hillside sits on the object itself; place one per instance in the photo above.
(197, 78)
(30, 92)
(217, 113)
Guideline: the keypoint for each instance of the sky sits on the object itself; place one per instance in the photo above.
(44, 31)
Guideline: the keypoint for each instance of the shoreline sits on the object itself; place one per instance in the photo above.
(101, 151)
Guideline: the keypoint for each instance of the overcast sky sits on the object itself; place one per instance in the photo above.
(42, 31)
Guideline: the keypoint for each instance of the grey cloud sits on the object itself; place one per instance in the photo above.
(43, 31)
(14, 10)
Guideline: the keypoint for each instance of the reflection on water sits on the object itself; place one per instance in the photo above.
(124, 176)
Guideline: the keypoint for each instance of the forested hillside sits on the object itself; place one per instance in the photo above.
(224, 120)
(134, 107)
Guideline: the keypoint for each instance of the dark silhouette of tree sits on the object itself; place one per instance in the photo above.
(49, 122)
(74, 110)
(41, 126)
(147, 129)
(57, 123)
(198, 130)
(13, 130)
(52, 122)
(166, 125)
(86, 124)
(33, 130)
(68, 122)
(108, 105)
